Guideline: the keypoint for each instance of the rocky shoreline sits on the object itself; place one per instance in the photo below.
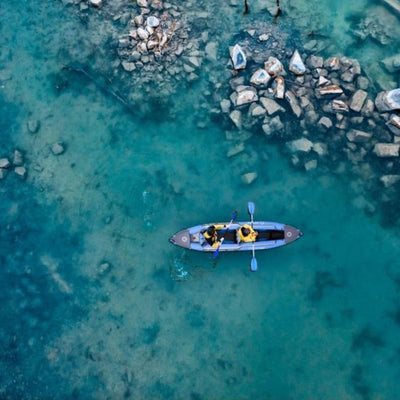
(323, 112)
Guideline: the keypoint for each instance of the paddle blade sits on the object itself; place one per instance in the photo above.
(251, 207)
(216, 252)
(234, 215)
(253, 265)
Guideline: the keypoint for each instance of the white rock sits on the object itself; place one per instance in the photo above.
(273, 66)
(260, 77)
(128, 66)
(300, 145)
(96, 3)
(280, 87)
(138, 20)
(322, 81)
(238, 57)
(257, 111)
(246, 96)
(386, 149)
(236, 117)
(249, 177)
(152, 44)
(264, 37)
(296, 64)
(152, 21)
(142, 3)
(142, 33)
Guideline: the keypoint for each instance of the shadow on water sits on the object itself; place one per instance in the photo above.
(40, 291)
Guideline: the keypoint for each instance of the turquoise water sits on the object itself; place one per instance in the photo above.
(97, 304)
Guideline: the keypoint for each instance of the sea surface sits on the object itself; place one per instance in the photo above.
(97, 304)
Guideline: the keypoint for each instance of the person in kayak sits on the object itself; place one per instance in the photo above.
(211, 235)
(247, 234)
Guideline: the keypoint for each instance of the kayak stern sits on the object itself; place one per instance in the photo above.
(181, 238)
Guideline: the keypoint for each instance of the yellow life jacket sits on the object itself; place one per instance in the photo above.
(212, 239)
(251, 237)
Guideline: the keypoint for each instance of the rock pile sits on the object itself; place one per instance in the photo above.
(323, 109)
(16, 164)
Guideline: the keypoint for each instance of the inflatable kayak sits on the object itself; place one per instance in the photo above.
(269, 236)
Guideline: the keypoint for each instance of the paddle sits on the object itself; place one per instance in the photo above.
(216, 252)
(251, 208)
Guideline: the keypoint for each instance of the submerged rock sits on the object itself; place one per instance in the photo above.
(296, 64)
(389, 180)
(302, 145)
(152, 21)
(18, 158)
(57, 148)
(357, 136)
(249, 177)
(4, 163)
(388, 100)
(20, 171)
(33, 126)
(386, 149)
(238, 57)
(96, 3)
(236, 117)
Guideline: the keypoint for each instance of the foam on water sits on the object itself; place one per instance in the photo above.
(98, 304)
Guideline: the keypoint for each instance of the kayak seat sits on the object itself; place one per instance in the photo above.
(230, 235)
(270, 234)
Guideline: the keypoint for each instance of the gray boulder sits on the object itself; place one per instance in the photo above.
(294, 104)
(279, 87)
(330, 90)
(271, 106)
(325, 123)
(246, 96)
(388, 100)
(236, 118)
(4, 163)
(357, 100)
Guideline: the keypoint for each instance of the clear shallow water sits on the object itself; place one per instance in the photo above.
(320, 319)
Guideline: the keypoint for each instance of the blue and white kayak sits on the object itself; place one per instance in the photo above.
(270, 236)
